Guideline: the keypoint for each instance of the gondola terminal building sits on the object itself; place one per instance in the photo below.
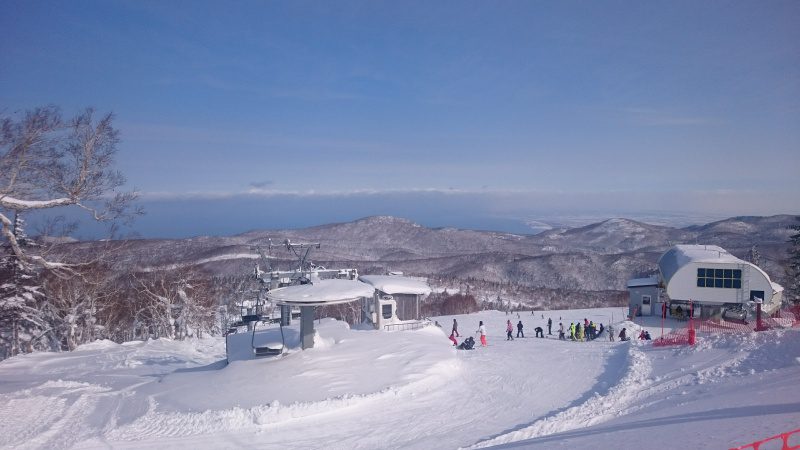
(708, 276)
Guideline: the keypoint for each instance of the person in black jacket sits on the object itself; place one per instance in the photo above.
(519, 329)
(623, 335)
(549, 326)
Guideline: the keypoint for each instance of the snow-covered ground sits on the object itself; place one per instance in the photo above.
(410, 389)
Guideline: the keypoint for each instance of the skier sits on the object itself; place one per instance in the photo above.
(519, 329)
(482, 332)
(509, 330)
(453, 339)
(611, 333)
(579, 332)
(549, 326)
(455, 328)
(571, 331)
(539, 332)
(561, 331)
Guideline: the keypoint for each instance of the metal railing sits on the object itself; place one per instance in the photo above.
(405, 326)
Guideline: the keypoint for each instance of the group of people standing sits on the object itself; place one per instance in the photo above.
(577, 332)
(588, 331)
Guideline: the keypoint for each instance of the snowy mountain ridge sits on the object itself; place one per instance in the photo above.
(600, 256)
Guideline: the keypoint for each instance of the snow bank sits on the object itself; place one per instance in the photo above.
(410, 389)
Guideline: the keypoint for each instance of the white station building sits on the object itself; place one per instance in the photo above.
(710, 277)
(396, 302)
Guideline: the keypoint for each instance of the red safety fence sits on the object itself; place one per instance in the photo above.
(685, 336)
(789, 441)
(675, 337)
(781, 319)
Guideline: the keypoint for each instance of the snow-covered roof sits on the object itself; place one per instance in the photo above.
(321, 292)
(776, 287)
(392, 284)
(639, 282)
(680, 255)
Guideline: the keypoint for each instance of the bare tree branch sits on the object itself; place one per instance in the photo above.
(46, 162)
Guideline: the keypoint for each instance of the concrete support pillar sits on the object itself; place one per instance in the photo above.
(286, 315)
(307, 326)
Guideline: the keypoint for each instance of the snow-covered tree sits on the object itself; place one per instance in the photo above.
(47, 162)
(793, 290)
(23, 324)
(754, 256)
(173, 305)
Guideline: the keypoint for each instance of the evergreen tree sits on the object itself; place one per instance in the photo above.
(793, 290)
(754, 256)
(22, 325)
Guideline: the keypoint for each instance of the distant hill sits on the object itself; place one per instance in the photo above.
(596, 257)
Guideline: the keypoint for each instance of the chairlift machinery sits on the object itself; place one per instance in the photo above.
(306, 272)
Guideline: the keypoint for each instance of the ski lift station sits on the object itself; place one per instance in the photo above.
(395, 303)
(387, 302)
(717, 283)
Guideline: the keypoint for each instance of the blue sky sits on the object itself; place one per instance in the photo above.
(470, 114)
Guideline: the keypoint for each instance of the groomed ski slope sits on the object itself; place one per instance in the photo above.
(369, 389)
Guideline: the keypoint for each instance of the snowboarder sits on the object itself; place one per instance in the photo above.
(571, 331)
(549, 326)
(453, 339)
(561, 331)
(611, 333)
(455, 328)
(539, 332)
(468, 343)
(509, 330)
(482, 332)
(623, 335)
(519, 329)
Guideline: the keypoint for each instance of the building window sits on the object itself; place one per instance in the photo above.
(719, 278)
(387, 311)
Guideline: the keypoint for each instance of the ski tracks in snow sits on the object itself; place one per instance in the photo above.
(61, 409)
(156, 424)
(597, 408)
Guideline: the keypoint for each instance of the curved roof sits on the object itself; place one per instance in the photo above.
(321, 292)
(680, 255)
(393, 284)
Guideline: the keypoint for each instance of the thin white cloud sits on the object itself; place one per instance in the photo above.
(655, 117)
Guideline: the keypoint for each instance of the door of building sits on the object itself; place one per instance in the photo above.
(646, 311)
